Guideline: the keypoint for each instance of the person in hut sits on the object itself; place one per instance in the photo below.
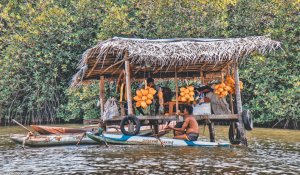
(150, 83)
(189, 129)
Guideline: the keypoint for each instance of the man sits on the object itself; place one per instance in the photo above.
(189, 129)
(150, 83)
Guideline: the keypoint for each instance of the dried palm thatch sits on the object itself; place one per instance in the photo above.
(107, 57)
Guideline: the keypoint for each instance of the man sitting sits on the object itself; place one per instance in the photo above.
(189, 129)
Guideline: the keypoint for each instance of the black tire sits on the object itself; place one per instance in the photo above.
(247, 120)
(128, 119)
(234, 134)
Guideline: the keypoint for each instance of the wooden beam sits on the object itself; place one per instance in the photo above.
(180, 70)
(94, 66)
(203, 66)
(157, 70)
(239, 103)
(213, 117)
(128, 84)
(121, 61)
(137, 70)
(117, 69)
(101, 94)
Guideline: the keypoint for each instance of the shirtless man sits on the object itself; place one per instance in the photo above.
(189, 129)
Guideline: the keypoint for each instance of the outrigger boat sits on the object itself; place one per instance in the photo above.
(146, 140)
(51, 140)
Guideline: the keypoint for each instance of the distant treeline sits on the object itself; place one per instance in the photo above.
(42, 41)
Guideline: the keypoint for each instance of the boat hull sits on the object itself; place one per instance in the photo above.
(142, 140)
(52, 140)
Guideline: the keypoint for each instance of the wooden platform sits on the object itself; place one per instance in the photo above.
(161, 119)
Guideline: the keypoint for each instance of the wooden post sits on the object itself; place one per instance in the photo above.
(231, 104)
(239, 103)
(101, 94)
(231, 99)
(128, 85)
(176, 91)
(211, 129)
(201, 77)
(156, 128)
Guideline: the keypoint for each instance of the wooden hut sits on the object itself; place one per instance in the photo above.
(169, 58)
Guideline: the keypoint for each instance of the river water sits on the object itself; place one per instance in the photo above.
(270, 151)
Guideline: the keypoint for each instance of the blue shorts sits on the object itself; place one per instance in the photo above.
(192, 136)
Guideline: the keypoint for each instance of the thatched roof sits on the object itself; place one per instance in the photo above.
(160, 57)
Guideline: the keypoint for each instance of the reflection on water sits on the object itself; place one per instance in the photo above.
(270, 151)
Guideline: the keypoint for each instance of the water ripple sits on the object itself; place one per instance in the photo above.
(266, 154)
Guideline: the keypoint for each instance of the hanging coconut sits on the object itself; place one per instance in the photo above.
(150, 96)
(139, 93)
(144, 104)
(138, 104)
(144, 98)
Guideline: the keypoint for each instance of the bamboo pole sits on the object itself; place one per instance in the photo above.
(201, 76)
(21, 125)
(109, 67)
(231, 99)
(176, 91)
(222, 76)
(239, 104)
(128, 85)
(101, 94)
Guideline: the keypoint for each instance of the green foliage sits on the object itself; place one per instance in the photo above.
(40, 45)
(272, 83)
(165, 18)
(42, 41)
(82, 103)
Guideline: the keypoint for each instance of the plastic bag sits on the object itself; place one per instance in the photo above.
(110, 109)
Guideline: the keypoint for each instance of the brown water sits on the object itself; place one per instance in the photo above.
(270, 151)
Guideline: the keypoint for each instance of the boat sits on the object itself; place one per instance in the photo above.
(147, 140)
(46, 130)
(51, 140)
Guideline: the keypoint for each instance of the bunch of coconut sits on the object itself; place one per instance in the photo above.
(227, 87)
(230, 82)
(222, 90)
(187, 94)
(144, 97)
